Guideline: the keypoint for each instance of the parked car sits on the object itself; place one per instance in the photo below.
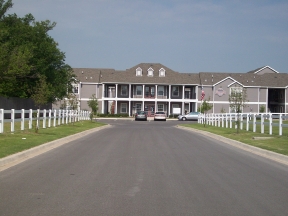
(160, 116)
(141, 115)
(189, 116)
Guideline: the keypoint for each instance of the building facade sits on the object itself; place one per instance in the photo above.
(155, 87)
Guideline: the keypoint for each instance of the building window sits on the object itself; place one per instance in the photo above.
(75, 89)
(150, 72)
(162, 72)
(175, 90)
(161, 107)
(138, 71)
(123, 108)
(124, 90)
(160, 90)
(139, 90)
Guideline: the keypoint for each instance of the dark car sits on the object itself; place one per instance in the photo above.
(141, 115)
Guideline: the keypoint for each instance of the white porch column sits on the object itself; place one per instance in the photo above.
(103, 90)
(169, 92)
(156, 108)
(129, 108)
(143, 92)
(183, 92)
(116, 107)
(143, 108)
(169, 112)
(196, 107)
(183, 111)
(129, 91)
(129, 101)
(156, 91)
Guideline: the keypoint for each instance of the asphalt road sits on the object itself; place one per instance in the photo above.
(145, 168)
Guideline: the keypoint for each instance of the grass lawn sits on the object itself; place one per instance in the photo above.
(22, 140)
(277, 143)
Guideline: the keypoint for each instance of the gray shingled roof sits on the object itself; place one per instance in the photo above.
(246, 79)
(98, 75)
(129, 76)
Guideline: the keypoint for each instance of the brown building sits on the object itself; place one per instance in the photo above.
(155, 87)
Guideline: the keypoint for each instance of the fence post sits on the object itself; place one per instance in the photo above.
(38, 116)
(63, 116)
(1, 120)
(254, 122)
(12, 120)
(44, 118)
(22, 118)
(280, 124)
(270, 123)
(54, 118)
(49, 118)
(30, 118)
(262, 123)
(241, 121)
(59, 116)
(247, 121)
(66, 119)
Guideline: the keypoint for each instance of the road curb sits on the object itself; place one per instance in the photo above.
(19, 157)
(283, 159)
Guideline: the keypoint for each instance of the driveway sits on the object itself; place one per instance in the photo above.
(145, 168)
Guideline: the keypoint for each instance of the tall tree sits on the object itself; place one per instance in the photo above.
(28, 53)
(237, 102)
(4, 6)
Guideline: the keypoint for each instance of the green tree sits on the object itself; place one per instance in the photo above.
(205, 107)
(237, 102)
(41, 94)
(27, 53)
(4, 7)
(93, 104)
(262, 109)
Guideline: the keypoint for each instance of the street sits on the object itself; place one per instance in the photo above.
(145, 168)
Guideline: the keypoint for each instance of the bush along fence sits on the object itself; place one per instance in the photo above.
(50, 117)
(250, 119)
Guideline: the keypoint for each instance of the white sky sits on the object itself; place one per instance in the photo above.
(184, 35)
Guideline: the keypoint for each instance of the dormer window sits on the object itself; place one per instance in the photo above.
(138, 71)
(150, 72)
(162, 72)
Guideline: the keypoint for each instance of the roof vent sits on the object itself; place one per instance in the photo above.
(82, 72)
(90, 77)
(86, 78)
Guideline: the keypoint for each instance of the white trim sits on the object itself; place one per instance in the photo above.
(222, 81)
(265, 68)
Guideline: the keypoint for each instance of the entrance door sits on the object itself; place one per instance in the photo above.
(150, 110)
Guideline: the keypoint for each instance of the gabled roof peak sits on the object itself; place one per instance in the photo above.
(258, 70)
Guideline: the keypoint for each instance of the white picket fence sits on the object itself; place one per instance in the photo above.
(52, 117)
(226, 120)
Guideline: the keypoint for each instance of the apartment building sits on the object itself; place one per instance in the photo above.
(154, 87)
